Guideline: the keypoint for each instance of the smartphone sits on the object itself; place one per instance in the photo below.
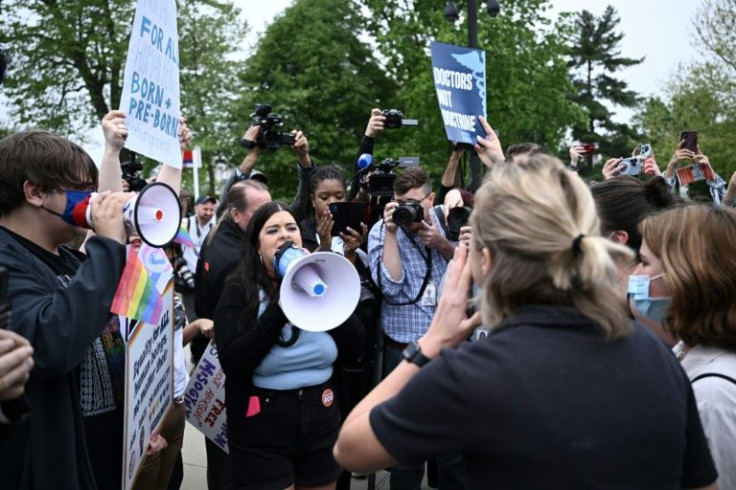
(347, 214)
(630, 166)
(589, 148)
(691, 140)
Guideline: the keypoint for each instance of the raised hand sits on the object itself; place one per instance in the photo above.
(489, 148)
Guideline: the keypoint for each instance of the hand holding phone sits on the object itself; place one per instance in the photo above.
(690, 140)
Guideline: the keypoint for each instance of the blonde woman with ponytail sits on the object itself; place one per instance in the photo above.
(565, 392)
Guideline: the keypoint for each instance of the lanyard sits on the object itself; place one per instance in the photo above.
(427, 275)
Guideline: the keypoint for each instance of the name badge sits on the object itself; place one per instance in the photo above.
(429, 298)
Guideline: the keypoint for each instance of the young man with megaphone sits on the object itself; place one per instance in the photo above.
(60, 298)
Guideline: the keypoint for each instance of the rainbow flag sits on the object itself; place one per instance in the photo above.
(136, 296)
(184, 238)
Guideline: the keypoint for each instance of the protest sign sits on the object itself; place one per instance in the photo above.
(149, 368)
(150, 95)
(459, 76)
(204, 399)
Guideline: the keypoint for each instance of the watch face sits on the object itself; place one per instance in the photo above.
(413, 353)
(410, 351)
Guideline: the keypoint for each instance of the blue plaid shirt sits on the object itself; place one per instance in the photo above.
(405, 324)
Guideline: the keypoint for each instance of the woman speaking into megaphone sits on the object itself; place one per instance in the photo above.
(282, 415)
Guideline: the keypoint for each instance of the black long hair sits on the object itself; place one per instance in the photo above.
(251, 274)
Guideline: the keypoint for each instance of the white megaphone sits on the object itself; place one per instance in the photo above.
(153, 214)
(319, 291)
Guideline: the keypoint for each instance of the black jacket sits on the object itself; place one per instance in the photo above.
(49, 450)
(218, 257)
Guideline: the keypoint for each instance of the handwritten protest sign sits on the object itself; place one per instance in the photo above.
(204, 399)
(459, 75)
(149, 379)
(150, 95)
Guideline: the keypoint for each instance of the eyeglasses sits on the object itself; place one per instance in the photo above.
(401, 201)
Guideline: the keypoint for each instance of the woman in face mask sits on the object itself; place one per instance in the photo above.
(648, 295)
(689, 255)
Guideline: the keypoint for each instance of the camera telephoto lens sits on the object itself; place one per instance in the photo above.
(406, 214)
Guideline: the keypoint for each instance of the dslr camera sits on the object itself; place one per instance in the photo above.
(395, 119)
(130, 169)
(184, 279)
(381, 182)
(268, 137)
(407, 213)
(456, 219)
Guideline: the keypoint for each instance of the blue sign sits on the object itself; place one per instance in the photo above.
(459, 75)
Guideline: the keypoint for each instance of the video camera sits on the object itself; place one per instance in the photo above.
(395, 119)
(268, 137)
(381, 182)
(130, 169)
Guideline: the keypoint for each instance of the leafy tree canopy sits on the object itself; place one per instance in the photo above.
(67, 63)
(595, 56)
(316, 72)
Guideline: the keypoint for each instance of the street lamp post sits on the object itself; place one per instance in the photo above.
(451, 14)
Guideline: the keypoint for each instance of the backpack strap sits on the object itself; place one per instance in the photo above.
(713, 375)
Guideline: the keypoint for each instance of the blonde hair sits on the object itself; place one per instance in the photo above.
(695, 244)
(531, 215)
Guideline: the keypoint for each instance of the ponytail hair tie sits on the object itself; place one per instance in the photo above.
(576, 250)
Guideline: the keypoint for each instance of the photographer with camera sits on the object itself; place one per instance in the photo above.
(263, 134)
(408, 254)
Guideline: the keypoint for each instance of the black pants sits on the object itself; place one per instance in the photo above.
(288, 441)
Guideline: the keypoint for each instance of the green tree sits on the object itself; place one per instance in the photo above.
(321, 78)
(595, 56)
(701, 96)
(528, 89)
(67, 63)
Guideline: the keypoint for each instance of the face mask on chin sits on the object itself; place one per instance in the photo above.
(652, 309)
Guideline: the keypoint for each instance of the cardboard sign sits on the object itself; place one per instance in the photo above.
(459, 75)
(149, 384)
(150, 97)
(204, 399)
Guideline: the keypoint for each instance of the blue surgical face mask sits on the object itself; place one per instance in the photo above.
(652, 309)
(76, 205)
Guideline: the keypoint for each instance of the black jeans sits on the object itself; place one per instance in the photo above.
(288, 441)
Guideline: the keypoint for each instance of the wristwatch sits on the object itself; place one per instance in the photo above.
(413, 353)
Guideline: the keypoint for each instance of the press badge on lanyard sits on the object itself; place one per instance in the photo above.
(429, 298)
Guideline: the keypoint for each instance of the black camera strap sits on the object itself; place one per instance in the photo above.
(427, 275)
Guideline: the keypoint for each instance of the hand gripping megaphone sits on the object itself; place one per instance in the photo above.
(319, 291)
(154, 214)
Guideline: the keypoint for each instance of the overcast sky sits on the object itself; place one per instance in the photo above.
(659, 30)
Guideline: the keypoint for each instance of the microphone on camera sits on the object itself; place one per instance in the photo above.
(364, 161)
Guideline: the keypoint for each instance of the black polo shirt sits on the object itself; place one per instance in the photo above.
(546, 402)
